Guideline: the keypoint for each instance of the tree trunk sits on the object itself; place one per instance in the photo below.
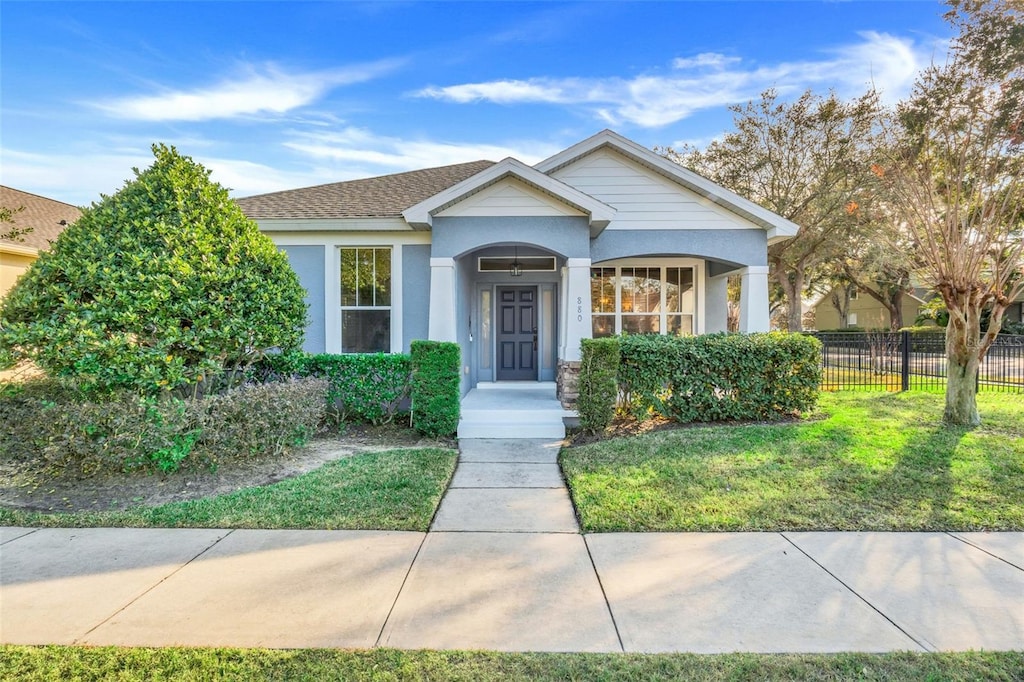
(792, 284)
(896, 311)
(962, 338)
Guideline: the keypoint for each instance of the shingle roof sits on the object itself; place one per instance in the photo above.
(384, 196)
(43, 215)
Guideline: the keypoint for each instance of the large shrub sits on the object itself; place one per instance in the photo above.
(435, 387)
(598, 387)
(56, 428)
(155, 287)
(363, 387)
(721, 376)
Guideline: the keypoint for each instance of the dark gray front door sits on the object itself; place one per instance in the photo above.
(517, 334)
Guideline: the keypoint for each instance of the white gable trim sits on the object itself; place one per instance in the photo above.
(778, 228)
(422, 214)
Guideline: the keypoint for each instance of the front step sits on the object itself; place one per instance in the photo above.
(475, 429)
(526, 410)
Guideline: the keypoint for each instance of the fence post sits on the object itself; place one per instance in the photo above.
(905, 360)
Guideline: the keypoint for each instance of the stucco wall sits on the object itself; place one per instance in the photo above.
(870, 313)
(12, 266)
(308, 263)
(568, 237)
(738, 248)
(415, 293)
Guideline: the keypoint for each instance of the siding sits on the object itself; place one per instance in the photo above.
(643, 198)
(510, 198)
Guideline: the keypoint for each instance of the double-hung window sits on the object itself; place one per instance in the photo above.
(642, 300)
(366, 300)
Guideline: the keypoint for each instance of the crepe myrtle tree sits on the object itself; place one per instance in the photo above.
(163, 286)
(954, 168)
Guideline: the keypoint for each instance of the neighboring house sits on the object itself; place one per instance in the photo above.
(864, 311)
(46, 217)
(517, 263)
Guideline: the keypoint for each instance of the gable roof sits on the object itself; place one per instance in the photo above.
(778, 227)
(421, 215)
(43, 215)
(384, 196)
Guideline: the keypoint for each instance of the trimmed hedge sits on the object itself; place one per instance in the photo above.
(435, 387)
(363, 387)
(719, 377)
(57, 428)
(598, 387)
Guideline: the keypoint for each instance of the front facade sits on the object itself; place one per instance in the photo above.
(516, 263)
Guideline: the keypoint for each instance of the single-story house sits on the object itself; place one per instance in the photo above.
(46, 217)
(865, 311)
(518, 263)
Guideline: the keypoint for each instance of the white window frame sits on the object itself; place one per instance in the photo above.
(360, 308)
(663, 263)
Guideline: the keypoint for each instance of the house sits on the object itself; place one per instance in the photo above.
(864, 311)
(517, 263)
(46, 217)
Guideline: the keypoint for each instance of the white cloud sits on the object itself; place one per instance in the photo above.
(258, 90)
(366, 153)
(712, 80)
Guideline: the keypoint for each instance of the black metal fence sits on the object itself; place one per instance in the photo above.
(901, 361)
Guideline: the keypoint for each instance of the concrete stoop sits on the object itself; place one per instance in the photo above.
(512, 410)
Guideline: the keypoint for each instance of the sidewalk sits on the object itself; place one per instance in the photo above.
(505, 567)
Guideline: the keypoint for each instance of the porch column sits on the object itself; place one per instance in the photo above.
(576, 280)
(754, 299)
(441, 325)
(716, 304)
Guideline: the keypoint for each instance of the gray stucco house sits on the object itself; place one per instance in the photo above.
(517, 263)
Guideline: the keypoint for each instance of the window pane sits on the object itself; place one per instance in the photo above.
(602, 290)
(679, 290)
(365, 331)
(364, 277)
(485, 329)
(680, 325)
(641, 324)
(348, 277)
(603, 325)
(641, 290)
(382, 259)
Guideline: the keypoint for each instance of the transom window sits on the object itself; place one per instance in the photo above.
(642, 300)
(366, 300)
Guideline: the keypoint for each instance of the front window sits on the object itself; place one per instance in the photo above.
(642, 300)
(366, 300)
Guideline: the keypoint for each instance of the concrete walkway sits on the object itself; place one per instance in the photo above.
(505, 567)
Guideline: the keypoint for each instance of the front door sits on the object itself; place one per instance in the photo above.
(517, 334)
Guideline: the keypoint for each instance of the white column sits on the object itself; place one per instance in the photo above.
(576, 282)
(441, 326)
(754, 299)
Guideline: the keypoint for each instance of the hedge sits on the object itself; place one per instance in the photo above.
(435, 387)
(370, 388)
(719, 377)
(598, 387)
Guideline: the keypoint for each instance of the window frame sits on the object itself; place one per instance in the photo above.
(663, 264)
(342, 308)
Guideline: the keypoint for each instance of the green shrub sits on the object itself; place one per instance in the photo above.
(155, 288)
(435, 387)
(721, 376)
(598, 386)
(363, 387)
(57, 428)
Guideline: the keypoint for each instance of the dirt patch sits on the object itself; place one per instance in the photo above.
(23, 488)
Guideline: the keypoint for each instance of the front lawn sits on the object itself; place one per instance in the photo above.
(392, 490)
(111, 663)
(863, 462)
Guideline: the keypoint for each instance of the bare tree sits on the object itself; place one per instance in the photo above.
(955, 173)
(801, 159)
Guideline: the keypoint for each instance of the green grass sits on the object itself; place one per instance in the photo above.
(868, 462)
(111, 663)
(393, 490)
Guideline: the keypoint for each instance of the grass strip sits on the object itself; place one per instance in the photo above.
(392, 490)
(879, 462)
(112, 663)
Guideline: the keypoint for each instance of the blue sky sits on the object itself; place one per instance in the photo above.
(275, 95)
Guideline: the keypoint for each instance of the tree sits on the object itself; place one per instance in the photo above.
(155, 288)
(803, 161)
(955, 173)
(15, 233)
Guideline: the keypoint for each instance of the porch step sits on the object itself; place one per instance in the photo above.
(516, 410)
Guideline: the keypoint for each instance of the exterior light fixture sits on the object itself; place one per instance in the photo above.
(515, 269)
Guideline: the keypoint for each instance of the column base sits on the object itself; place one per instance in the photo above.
(567, 383)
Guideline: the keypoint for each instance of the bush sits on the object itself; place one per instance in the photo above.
(363, 387)
(721, 376)
(435, 387)
(155, 288)
(59, 429)
(598, 385)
